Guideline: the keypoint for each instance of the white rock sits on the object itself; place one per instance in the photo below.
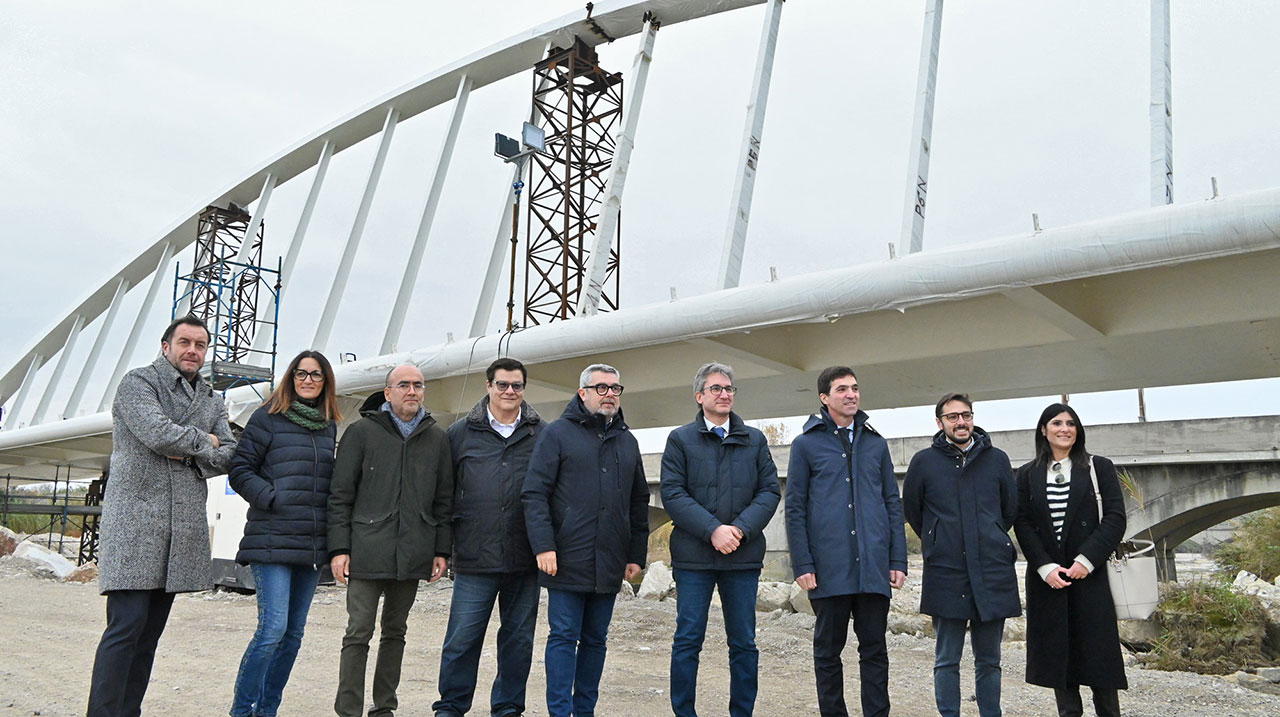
(772, 596)
(1271, 674)
(8, 541)
(799, 599)
(44, 557)
(657, 583)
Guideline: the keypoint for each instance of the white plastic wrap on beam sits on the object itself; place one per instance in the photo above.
(1151, 238)
(617, 19)
(1146, 239)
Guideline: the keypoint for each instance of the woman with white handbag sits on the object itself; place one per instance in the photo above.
(1072, 639)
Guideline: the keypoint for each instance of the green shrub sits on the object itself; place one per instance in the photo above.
(1255, 546)
(1208, 628)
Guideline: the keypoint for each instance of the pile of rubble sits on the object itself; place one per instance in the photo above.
(24, 553)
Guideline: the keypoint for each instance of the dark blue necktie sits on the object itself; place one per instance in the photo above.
(719, 431)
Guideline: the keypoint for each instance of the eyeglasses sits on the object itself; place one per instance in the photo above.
(717, 390)
(603, 388)
(504, 386)
(315, 376)
(1059, 478)
(953, 417)
(406, 385)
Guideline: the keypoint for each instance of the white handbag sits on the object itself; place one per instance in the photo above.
(1131, 571)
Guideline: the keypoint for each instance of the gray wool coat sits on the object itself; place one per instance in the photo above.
(154, 532)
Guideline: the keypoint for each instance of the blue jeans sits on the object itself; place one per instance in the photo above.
(985, 638)
(473, 598)
(284, 598)
(579, 627)
(738, 600)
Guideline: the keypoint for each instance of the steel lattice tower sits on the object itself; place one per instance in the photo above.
(581, 105)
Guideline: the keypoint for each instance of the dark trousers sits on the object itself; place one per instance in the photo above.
(1105, 702)
(122, 666)
(469, 612)
(362, 608)
(576, 643)
(985, 638)
(870, 614)
(738, 601)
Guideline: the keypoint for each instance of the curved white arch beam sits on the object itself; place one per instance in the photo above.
(516, 54)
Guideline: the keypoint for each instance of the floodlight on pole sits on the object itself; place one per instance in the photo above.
(533, 139)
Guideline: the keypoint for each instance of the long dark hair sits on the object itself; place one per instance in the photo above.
(284, 395)
(1044, 453)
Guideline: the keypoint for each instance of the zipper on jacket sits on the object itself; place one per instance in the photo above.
(315, 478)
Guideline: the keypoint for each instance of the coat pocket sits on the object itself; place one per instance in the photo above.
(373, 541)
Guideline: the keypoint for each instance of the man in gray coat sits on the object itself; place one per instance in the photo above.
(169, 435)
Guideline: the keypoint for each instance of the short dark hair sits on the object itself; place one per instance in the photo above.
(948, 398)
(832, 373)
(505, 364)
(189, 320)
(1044, 453)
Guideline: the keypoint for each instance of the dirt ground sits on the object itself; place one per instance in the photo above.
(50, 631)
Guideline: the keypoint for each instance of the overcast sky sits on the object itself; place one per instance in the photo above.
(117, 119)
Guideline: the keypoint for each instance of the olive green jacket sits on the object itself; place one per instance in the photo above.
(391, 498)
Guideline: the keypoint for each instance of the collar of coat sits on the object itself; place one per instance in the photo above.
(577, 412)
(479, 415)
(372, 410)
(821, 421)
(172, 376)
(737, 429)
(980, 441)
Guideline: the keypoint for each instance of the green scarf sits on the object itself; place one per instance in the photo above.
(306, 416)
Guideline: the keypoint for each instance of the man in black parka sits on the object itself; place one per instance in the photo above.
(960, 498)
(492, 560)
(586, 507)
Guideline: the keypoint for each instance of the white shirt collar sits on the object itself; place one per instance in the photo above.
(711, 425)
(506, 429)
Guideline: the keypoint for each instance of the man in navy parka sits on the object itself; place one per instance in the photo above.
(848, 546)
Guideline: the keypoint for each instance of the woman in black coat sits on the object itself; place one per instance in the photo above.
(282, 466)
(1072, 638)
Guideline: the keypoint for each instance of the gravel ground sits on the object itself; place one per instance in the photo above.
(51, 629)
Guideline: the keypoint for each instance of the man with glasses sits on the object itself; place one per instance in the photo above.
(586, 506)
(389, 510)
(720, 487)
(960, 498)
(492, 560)
(848, 546)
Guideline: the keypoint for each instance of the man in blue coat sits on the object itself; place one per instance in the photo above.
(848, 546)
(720, 487)
(960, 498)
(586, 507)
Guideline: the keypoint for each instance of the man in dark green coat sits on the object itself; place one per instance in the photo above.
(389, 510)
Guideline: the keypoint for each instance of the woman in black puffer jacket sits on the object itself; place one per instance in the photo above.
(282, 466)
